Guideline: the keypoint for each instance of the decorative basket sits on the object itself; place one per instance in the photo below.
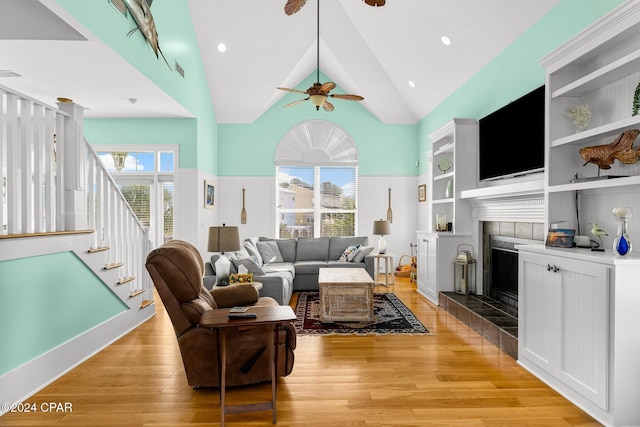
(403, 270)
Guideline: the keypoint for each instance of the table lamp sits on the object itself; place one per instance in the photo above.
(381, 228)
(223, 239)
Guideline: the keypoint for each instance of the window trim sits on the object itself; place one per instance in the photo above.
(317, 212)
(155, 178)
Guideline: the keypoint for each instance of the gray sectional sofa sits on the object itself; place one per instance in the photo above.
(284, 266)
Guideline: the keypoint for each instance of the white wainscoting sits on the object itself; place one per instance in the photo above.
(373, 201)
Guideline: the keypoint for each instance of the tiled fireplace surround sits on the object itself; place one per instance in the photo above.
(495, 321)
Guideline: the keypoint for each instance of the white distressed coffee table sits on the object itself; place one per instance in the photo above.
(346, 294)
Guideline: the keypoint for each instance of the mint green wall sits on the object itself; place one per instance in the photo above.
(178, 43)
(47, 300)
(383, 149)
(146, 131)
(515, 71)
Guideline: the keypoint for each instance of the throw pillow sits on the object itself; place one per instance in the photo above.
(253, 252)
(270, 252)
(362, 252)
(250, 265)
(241, 254)
(276, 250)
(349, 253)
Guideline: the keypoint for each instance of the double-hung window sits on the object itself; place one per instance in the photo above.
(317, 201)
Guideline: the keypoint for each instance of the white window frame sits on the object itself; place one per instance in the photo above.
(154, 178)
(317, 210)
(316, 143)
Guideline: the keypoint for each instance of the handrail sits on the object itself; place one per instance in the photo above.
(45, 233)
(92, 152)
(57, 185)
(28, 98)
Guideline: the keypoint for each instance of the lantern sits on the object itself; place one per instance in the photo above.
(465, 272)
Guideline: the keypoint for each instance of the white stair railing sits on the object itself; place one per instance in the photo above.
(53, 181)
(31, 176)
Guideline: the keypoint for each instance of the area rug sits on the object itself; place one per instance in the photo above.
(391, 317)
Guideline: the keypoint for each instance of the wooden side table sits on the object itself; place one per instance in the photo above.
(268, 315)
(387, 259)
(257, 285)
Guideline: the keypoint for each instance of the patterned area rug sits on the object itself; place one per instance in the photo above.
(391, 317)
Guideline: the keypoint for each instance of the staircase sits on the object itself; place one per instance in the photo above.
(57, 198)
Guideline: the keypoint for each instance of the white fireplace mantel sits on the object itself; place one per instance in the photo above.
(519, 201)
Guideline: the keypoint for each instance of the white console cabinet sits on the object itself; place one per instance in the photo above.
(564, 315)
(436, 255)
(578, 330)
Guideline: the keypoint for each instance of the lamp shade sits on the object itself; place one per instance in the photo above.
(224, 239)
(381, 228)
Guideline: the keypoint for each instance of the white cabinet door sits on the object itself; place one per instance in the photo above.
(423, 264)
(538, 311)
(584, 328)
(428, 266)
(432, 270)
(564, 321)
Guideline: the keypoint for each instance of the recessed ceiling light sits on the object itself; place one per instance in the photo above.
(222, 47)
(446, 40)
(412, 83)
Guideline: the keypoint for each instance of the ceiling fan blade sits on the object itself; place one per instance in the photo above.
(327, 106)
(375, 2)
(291, 90)
(295, 103)
(347, 97)
(326, 87)
(293, 6)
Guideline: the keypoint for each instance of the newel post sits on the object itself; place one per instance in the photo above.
(71, 146)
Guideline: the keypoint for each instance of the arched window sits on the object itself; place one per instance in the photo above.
(317, 181)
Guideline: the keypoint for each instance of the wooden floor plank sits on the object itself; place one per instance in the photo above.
(451, 378)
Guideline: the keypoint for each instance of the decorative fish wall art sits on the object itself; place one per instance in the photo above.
(141, 12)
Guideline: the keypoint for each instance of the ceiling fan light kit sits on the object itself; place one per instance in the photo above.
(318, 100)
(319, 92)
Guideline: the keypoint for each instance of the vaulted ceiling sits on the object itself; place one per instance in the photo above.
(370, 51)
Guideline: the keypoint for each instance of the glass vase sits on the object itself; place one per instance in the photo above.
(622, 244)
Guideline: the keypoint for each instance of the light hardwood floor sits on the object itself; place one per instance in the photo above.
(451, 378)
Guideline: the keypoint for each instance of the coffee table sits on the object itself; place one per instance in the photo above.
(346, 294)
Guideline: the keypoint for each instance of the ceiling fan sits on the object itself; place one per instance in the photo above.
(319, 92)
(293, 6)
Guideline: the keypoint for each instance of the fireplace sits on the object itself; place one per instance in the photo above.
(503, 268)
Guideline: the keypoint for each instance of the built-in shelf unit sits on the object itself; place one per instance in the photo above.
(577, 299)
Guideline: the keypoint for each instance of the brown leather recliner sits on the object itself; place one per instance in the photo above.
(177, 270)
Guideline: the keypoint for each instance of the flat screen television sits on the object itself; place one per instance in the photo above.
(511, 139)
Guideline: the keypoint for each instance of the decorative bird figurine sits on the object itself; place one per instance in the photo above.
(598, 232)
